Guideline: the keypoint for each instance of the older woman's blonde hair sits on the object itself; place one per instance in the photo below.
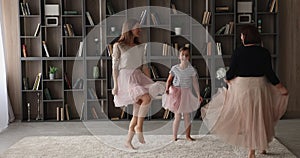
(127, 34)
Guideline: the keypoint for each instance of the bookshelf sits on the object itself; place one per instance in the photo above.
(80, 50)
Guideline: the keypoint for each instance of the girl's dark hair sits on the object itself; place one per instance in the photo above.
(184, 49)
(251, 35)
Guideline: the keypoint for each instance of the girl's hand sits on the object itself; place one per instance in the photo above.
(167, 91)
(114, 91)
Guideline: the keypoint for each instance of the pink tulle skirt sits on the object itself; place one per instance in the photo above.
(246, 113)
(180, 100)
(133, 84)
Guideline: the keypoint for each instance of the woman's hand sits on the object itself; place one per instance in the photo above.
(114, 91)
(282, 89)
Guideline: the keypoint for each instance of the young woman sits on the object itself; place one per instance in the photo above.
(246, 114)
(131, 77)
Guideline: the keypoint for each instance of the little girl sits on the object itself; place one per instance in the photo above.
(179, 97)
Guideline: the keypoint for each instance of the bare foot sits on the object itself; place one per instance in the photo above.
(175, 139)
(140, 135)
(129, 145)
(190, 138)
(263, 152)
(251, 154)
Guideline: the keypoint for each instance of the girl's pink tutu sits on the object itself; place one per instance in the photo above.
(180, 100)
(134, 83)
(246, 114)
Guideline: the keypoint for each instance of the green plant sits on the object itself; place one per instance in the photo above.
(53, 69)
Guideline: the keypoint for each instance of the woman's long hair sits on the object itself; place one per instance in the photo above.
(127, 35)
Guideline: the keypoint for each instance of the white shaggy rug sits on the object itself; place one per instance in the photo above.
(112, 146)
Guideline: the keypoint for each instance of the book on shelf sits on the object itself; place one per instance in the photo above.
(37, 81)
(92, 93)
(25, 8)
(25, 83)
(70, 30)
(62, 114)
(47, 94)
(65, 30)
(88, 15)
(222, 8)
(208, 48)
(24, 50)
(77, 84)
(154, 18)
(82, 111)
(226, 29)
(60, 51)
(122, 112)
(115, 118)
(166, 50)
(176, 49)
(166, 114)
(206, 17)
(143, 17)
(110, 8)
(67, 109)
(219, 48)
(154, 72)
(70, 12)
(57, 113)
(45, 48)
(272, 6)
(80, 49)
(94, 113)
(37, 30)
(67, 81)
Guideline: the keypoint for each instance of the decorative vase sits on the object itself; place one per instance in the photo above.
(51, 76)
(178, 30)
(96, 72)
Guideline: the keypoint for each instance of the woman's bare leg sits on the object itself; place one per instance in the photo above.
(251, 153)
(188, 126)
(132, 124)
(176, 123)
(144, 108)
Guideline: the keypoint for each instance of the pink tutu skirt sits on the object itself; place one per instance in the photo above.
(180, 100)
(246, 113)
(133, 84)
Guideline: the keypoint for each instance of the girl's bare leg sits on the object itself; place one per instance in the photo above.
(187, 124)
(176, 125)
(144, 108)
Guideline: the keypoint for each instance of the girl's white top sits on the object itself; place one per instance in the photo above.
(183, 77)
